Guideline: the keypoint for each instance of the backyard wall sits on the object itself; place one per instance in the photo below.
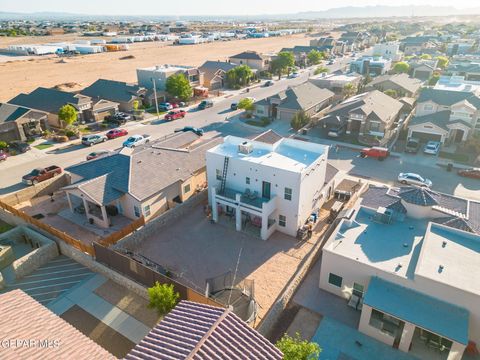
(42, 189)
(153, 226)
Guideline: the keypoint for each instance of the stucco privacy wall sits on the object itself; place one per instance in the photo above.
(153, 226)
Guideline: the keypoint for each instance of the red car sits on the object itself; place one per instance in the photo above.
(375, 152)
(115, 133)
(175, 114)
(473, 173)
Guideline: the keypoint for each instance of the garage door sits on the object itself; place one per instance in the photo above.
(426, 136)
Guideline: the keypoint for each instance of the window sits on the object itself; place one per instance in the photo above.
(146, 210)
(288, 194)
(136, 210)
(247, 180)
(374, 125)
(282, 220)
(186, 188)
(335, 280)
(218, 173)
(358, 289)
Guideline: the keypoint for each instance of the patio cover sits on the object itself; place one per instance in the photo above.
(442, 318)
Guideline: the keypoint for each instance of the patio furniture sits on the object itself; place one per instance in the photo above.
(257, 221)
(353, 302)
(254, 195)
(247, 193)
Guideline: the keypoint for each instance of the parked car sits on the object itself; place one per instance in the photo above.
(234, 106)
(268, 83)
(195, 130)
(473, 173)
(115, 133)
(331, 62)
(337, 131)
(136, 140)
(90, 140)
(122, 115)
(178, 104)
(41, 174)
(413, 179)
(98, 154)
(205, 104)
(432, 148)
(413, 145)
(375, 152)
(3, 156)
(175, 114)
(165, 106)
(293, 75)
(19, 147)
(114, 121)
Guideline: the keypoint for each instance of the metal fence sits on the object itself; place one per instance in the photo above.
(144, 274)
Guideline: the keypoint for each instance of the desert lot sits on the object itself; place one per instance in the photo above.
(26, 75)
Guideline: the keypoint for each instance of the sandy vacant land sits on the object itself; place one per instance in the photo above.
(25, 76)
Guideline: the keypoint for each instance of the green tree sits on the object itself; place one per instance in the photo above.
(425, 57)
(68, 114)
(246, 104)
(239, 76)
(401, 67)
(136, 103)
(299, 120)
(179, 87)
(442, 62)
(392, 93)
(433, 79)
(283, 63)
(320, 69)
(231, 79)
(349, 90)
(314, 57)
(163, 298)
(294, 348)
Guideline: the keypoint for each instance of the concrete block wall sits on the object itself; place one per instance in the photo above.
(152, 227)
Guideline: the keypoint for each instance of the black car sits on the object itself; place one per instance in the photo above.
(19, 147)
(205, 104)
(114, 120)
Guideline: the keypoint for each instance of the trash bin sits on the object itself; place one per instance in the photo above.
(304, 131)
(449, 167)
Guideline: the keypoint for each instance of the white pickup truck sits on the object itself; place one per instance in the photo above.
(136, 140)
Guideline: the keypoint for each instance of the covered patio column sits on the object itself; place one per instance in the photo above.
(407, 336)
(456, 352)
(105, 216)
(214, 205)
(69, 202)
(238, 214)
(264, 230)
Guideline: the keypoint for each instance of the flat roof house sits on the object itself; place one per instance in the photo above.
(408, 259)
(336, 82)
(371, 65)
(144, 181)
(29, 330)
(370, 116)
(122, 93)
(267, 183)
(51, 100)
(198, 331)
(20, 123)
(305, 97)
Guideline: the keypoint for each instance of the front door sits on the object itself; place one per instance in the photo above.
(458, 135)
(266, 190)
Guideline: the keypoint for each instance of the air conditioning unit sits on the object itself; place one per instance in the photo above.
(245, 148)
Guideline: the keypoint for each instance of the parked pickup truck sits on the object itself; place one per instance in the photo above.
(375, 152)
(175, 114)
(41, 174)
(136, 140)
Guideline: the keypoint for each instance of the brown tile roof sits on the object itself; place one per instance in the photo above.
(197, 331)
(268, 137)
(28, 326)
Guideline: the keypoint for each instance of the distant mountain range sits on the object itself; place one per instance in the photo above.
(381, 11)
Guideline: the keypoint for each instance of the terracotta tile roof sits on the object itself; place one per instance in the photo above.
(28, 326)
(198, 331)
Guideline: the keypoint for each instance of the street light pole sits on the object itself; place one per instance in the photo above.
(155, 95)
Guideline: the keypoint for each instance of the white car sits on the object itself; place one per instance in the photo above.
(432, 148)
(413, 179)
(294, 75)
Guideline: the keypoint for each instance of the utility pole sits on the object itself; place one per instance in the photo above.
(156, 100)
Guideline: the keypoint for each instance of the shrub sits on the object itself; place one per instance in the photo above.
(265, 75)
(163, 298)
(3, 145)
(60, 138)
(294, 348)
(70, 133)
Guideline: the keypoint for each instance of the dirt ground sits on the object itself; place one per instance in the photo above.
(106, 337)
(27, 75)
(208, 250)
(129, 302)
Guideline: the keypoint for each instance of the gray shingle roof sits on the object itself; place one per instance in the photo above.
(303, 96)
(268, 137)
(441, 119)
(117, 91)
(402, 80)
(248, 55)
(49, 100)
(448, 97)
(209, 68)
(198, 331)
(145, 172)
(381, 196)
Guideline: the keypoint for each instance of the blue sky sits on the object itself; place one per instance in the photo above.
(201, 7)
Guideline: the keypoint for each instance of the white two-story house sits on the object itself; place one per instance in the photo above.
(268, 183)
